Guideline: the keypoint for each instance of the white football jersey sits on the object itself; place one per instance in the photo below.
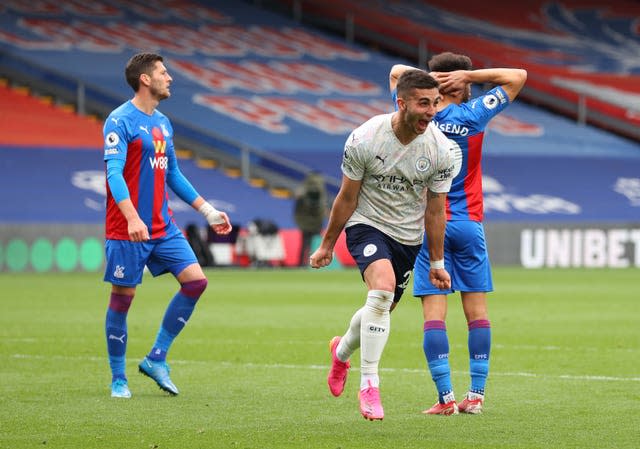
(395, 177)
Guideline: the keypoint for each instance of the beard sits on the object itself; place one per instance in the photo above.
(160, 94)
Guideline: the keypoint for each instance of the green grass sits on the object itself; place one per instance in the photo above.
(251, 365)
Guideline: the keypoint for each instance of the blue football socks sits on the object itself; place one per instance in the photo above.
(176, 316)
(436, 350)
(116, 333)
(479, 349)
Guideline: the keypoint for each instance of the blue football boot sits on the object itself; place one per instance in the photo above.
(120, 389)
(158, 371)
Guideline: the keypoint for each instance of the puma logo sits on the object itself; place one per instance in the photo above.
(120, 339)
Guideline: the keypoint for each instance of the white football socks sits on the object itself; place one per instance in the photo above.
(374, 331)
(351, 340)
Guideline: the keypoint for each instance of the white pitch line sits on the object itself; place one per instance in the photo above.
(494, 346)
(325, 367)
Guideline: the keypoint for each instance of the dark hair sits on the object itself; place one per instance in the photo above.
(139, 64)
(415, 79)
(448, 62)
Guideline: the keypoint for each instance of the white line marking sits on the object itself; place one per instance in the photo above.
(463, 346)
(325, 367)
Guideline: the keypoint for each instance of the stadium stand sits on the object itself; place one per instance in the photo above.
(33, 121)
(268, 92)
(582, 55)
(37, 133)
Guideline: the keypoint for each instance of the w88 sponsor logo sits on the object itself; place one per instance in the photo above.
(160, 162)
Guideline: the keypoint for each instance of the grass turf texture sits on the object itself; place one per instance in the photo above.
(251, 365)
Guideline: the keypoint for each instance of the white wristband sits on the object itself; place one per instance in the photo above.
(437, 264)
(211, 214)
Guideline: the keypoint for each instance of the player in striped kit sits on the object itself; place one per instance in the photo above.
(391, 164)
(463, 120)
(139, 229)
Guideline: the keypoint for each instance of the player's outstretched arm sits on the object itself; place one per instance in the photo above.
(343, 207)
(511, 80)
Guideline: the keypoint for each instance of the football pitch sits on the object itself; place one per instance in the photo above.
(251, 365)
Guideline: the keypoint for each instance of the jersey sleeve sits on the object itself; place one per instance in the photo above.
(115, 138)
(179, 183)
(480, 110)
(175, 178)
(116, 181)
(352, 160)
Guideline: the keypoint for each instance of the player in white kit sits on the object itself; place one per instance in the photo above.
(397, 170)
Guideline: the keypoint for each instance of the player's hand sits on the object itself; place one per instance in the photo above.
(222, 228)
(451, 81)
(138, 231)
(440, 278)
(321, 257)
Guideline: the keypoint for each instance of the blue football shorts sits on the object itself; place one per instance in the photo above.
(126, 260)
(465, 258)
(367, 244)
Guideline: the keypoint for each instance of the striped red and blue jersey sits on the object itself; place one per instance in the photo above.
(465, 125)
(145, 143)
